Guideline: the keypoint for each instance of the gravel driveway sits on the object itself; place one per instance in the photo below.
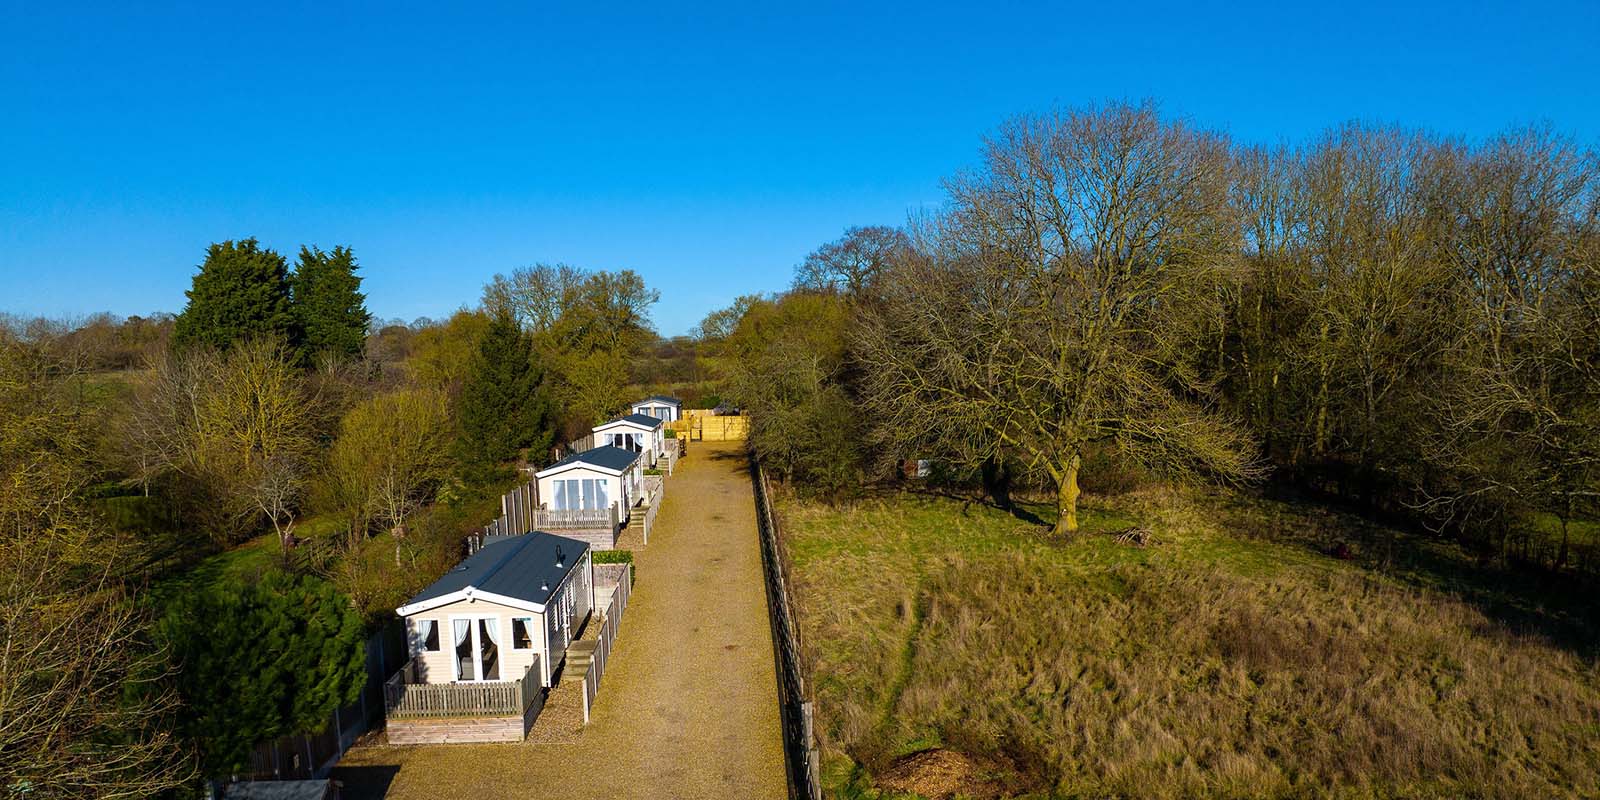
(688, 707)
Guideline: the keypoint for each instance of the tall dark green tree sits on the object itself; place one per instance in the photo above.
(328, 300)
(261, 661)
(241, 292)
(503, 405)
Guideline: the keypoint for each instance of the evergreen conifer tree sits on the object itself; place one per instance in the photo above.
(328, 301)
(502, 405)
(241, 292)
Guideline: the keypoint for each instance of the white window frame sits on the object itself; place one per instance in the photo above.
(533, 643)
(477, 649)
(422, 638)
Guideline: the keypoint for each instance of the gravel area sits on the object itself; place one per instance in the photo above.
(689, 704)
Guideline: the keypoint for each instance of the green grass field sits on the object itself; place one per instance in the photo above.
(1231, 659)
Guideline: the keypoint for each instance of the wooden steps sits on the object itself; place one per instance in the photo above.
(579, 654)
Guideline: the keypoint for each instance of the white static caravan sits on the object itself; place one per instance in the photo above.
(486, 619)
(636, 432)
(593, 480)
(660, 406)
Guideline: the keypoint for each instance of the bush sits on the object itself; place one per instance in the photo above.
(613, 556)
(257, 661)
(617, 557)
(671, 433)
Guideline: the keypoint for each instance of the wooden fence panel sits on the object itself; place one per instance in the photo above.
(403, 697)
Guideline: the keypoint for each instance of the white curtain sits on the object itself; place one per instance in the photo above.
(489, 627)
(462, 628)
(600, 488)
(424, 630)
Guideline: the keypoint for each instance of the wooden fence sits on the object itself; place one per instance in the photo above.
(608, 632)
(794, 701)
(578, 445)
(700, 424)
(405, 697)
(519, 504)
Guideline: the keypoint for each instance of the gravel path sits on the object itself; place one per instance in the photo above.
(689, 704)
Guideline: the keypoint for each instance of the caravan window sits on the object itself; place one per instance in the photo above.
(581, 494)
(428, 635)
(522, 633)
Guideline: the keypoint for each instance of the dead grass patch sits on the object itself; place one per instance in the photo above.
(1213, 666)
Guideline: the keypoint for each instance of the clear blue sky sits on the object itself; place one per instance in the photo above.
(708, 147)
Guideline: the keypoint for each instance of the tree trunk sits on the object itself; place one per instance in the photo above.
(1067, 499)
(1561, 558)
(399, 534)
(997, 481)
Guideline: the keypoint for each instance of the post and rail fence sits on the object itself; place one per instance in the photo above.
(796, 708)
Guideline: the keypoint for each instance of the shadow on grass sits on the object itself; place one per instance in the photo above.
(1561, 608)
(365, 783)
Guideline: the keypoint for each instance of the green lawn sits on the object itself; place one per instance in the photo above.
(247, 560)
(1231, 659)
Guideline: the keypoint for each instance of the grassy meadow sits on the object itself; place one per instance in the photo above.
(1235, 657)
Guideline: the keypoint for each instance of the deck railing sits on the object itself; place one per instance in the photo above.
(546, 519)
(404, 696)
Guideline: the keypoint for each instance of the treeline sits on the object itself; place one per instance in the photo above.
(141, 459)
(1401, 321)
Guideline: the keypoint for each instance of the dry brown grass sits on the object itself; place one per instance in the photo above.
(1208, 666)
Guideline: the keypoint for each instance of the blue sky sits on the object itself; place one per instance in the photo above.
(708, 146)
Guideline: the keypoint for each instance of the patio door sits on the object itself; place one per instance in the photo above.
(477, 648)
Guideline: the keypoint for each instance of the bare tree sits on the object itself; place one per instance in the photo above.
(1369, 274)
(238, 429)
(1518, 426)
(1056, 301)
(852, 265)
(535, 296)
(390, 456)
(82, 712)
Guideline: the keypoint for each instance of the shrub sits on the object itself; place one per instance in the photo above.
(617, 557)
(613, 556)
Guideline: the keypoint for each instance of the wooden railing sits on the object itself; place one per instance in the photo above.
(608, 635)
(546, 519)
(404, 697)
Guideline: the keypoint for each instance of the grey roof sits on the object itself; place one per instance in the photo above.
(661, 398)
(278, 790)
(609, 456)
(521, 567)
(638, 419)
